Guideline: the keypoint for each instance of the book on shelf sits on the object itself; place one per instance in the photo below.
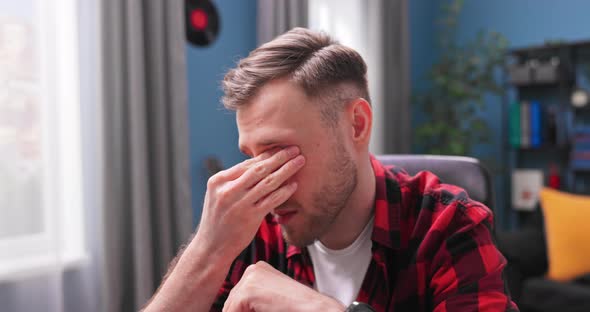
(580, 164)
(526, 185)
(581, 140)
(582, 131)
(514, 124)
(531, 125)
(564, 125)
(550, 124)
(535, 124)
(525, 119)
(580, 154)
(526, 124)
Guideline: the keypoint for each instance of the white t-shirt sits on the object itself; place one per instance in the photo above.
(340, 273)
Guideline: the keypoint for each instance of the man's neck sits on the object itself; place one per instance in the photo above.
(354, 216)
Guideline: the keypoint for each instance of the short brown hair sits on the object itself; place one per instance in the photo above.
(311, 59)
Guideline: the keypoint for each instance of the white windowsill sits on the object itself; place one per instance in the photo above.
(20, 269)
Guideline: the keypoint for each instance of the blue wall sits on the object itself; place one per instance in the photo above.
(422, 39)
(528, 22)
(213, 129)
(523, 23)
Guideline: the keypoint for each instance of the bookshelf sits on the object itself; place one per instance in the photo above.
(546, 126)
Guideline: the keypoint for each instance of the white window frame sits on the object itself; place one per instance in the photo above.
(62, 241)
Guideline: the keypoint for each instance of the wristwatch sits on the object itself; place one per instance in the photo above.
(356, 306)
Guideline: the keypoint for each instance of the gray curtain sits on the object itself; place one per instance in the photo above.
(396, 62)
(277, 16)
(147, 184)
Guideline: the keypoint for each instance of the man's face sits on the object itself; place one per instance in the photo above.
(281, 115)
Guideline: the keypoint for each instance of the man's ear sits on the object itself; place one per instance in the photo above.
(361, 117)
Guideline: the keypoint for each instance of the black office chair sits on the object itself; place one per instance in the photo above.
(465, 172)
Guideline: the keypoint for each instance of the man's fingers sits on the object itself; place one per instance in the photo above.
(233, 301)
(272, 182)
(239, 169)
(276, 198)
(269, 268)
(227, 306)
(263, 168)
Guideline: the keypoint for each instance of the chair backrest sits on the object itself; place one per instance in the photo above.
(465, 172)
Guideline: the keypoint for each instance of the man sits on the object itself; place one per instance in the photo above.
(312, 222)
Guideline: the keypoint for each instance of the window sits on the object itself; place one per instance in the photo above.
(41, 210)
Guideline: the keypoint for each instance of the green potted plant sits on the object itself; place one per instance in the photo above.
(453, 102)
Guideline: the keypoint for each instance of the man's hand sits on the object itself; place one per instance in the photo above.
(237, 199)
(236, 202)
(262, 288)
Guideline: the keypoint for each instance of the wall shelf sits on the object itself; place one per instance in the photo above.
(545, 75)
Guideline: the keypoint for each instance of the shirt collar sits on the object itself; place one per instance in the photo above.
(293, 250)
(387, 206)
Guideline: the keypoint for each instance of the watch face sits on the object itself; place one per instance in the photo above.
(579, 98)
(359, 307)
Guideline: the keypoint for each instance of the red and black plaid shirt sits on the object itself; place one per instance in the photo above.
(432, 250)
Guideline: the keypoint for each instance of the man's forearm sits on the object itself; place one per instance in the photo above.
(193, 282)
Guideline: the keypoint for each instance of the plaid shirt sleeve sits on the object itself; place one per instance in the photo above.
(452, 261)
(467, 268)
(233, 277)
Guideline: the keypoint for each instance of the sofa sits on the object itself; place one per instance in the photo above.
(527, 269)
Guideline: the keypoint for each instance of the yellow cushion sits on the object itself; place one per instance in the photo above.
(567, 231)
